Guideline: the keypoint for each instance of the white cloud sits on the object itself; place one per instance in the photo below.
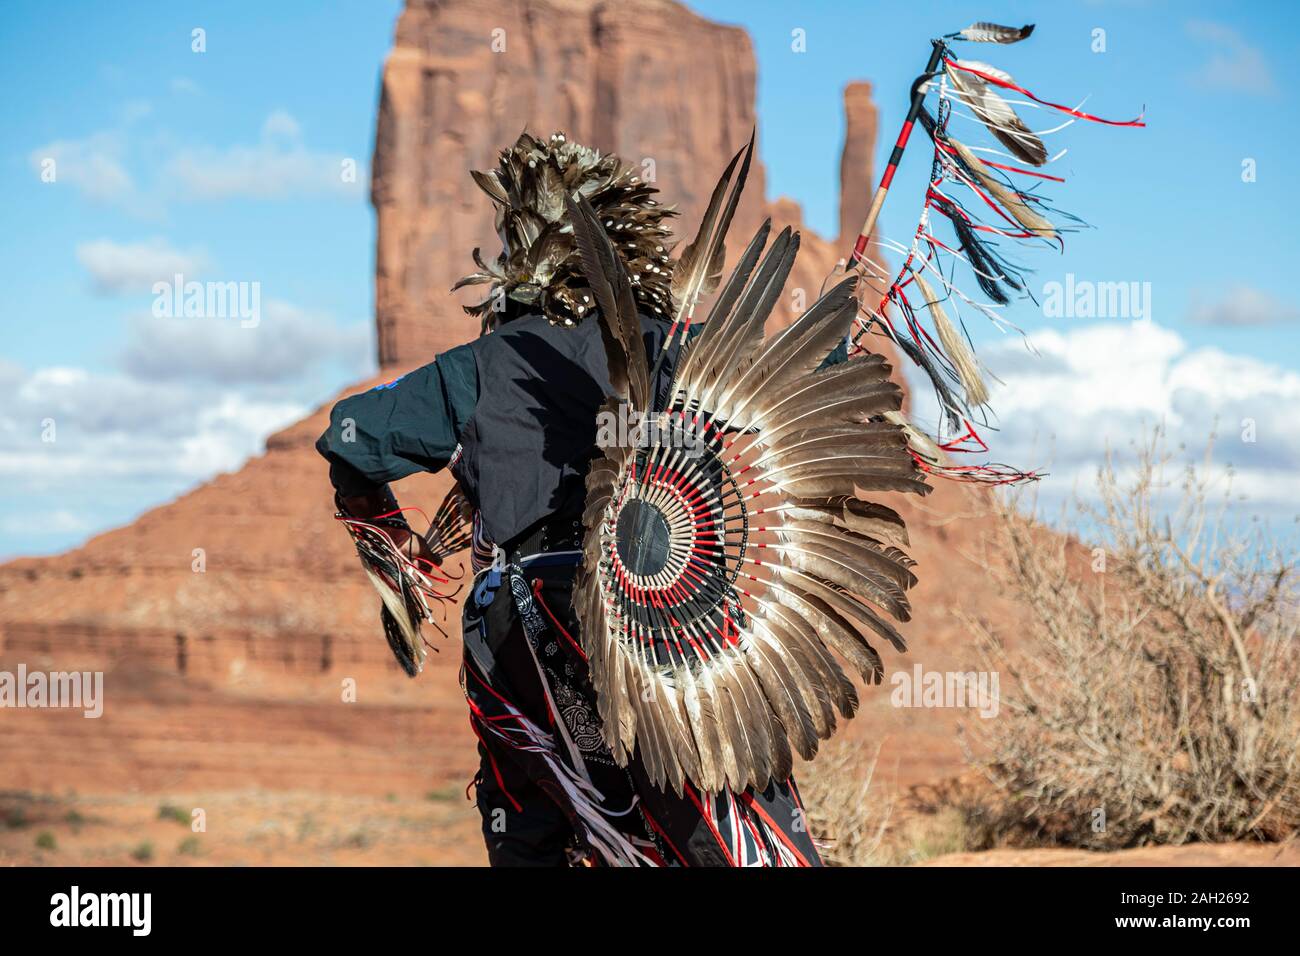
(120, 446)
(277, 167)
(1104, 386)
(110, 431)
(59, 522)
(281, 125)
(1091, 370)
(118, 268)
(1235, 65)
(82, 448)
(282, 347)
(1243, 306)
(95, 167)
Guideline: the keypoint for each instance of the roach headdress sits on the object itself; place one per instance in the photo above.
(537, 269)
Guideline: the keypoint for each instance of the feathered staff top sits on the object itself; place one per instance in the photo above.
(538, 267)
(988, 194)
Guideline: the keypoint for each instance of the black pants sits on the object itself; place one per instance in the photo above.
(522, 826)
(523, 662)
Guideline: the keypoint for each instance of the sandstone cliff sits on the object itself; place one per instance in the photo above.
(464, 79)
(857, 170)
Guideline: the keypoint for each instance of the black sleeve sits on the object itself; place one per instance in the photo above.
(410, 424)
(654, 331)
(837, 355)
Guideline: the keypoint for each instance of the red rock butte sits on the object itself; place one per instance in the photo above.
(230, 677)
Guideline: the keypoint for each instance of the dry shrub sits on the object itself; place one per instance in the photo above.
(846, 817)
(1154, 697)
(857, 822)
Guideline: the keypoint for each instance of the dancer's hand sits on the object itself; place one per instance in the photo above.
(414, 547)
(381, 502)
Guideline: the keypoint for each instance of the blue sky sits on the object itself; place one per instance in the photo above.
(226, 164)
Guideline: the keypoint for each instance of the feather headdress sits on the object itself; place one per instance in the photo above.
(537, 268)
(728, 554)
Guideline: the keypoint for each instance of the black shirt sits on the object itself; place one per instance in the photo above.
(513, 413)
